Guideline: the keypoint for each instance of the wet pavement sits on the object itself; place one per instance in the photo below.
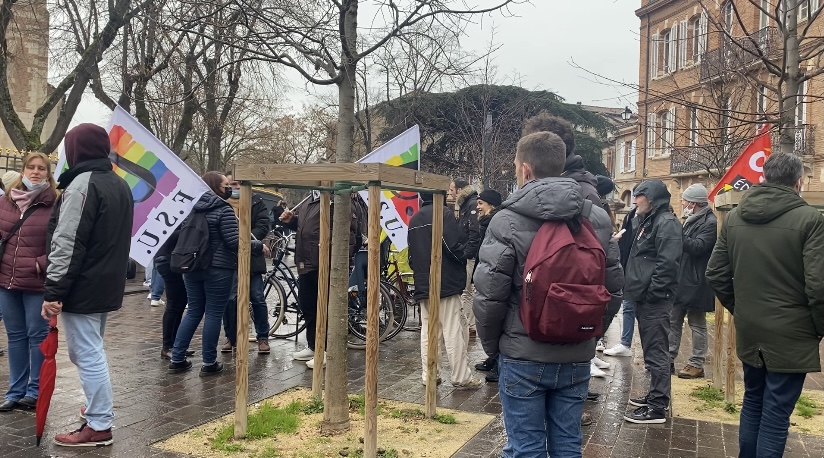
(151, 405)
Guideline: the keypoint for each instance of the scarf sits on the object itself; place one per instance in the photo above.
(25, 198)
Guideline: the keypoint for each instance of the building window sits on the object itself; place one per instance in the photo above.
(611, 161)
(651, 134)
(653, 56)
(667, 58)
(801, 108)
(728, 16)
(693, 126)
(631, 159)
(666, 123)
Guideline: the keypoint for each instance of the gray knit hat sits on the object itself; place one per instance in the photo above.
(696, 193)
(9, 178)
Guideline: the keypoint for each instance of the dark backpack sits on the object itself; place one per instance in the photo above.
(564, 297)
(193, 253)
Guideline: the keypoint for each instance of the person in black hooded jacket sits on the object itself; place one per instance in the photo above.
(90, 233)
(651, 282)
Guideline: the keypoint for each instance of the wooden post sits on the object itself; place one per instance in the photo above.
(244, 253)
(729, 391)
(718, 347)
(370, 441)
(323, 296)
(434, 328)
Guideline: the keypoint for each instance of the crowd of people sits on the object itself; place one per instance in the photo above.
(60, 241)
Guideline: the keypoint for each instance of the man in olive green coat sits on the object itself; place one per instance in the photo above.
(767, 269)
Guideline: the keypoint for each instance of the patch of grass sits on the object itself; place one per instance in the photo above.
(445, 419)
(223, 441)
(713, 397)
(806, 407)
(730, 408)
(390, 453)
(268, 452)
(315, 405)
(357, 403)
(407, 414)
(266, 421)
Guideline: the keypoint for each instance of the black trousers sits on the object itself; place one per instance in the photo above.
(176, 300)
(308, 302)
(654, 328)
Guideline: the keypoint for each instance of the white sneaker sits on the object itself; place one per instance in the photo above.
(600, 345)
(147, 283)
(618, 350)
(595, 372)
(311, 363)
(149, 296)
(304, 355)
(158, 303)
(599, 363)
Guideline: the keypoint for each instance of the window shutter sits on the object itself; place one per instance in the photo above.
(682, 45)
(813, 6)
(702, 37)
(623, 159)
(650, 141)
(632, 156)
(653, 67)
(672, 59)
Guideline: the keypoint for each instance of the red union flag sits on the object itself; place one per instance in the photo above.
(748, 169)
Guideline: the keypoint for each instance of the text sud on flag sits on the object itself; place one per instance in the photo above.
(164, 188)
(397, 207)
(748, 169)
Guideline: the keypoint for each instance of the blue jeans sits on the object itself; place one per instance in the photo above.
(25, 329)
(628, 328)
(84, 341)
(158, 285)
(260, 311)
(769, 400)
(208, 292)
(542, 405)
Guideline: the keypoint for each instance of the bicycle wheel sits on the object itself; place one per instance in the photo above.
(398, 310)
(357, 315)
(284, 310)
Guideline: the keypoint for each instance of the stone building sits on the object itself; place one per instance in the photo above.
(696, 108)
(28, 66)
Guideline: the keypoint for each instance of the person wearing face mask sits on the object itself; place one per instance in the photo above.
(29, 201)
(694, 297)
(260, 229)
(766, 269)
(209, 290)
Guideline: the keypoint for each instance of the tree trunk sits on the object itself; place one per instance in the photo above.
(788, 100)
(214, 135)
(336, 401)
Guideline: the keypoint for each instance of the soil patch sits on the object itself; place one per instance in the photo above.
(697, 400)
(403, 431)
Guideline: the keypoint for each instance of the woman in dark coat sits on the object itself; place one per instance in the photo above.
(22, 275)
(489, 201)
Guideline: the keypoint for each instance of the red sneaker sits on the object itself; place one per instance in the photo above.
(84, 437)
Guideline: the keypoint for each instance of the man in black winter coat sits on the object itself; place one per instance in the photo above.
(651, 283)
(260, 312)
(694, 297)
(453, 280)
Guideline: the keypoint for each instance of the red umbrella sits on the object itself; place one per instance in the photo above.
(48, 372)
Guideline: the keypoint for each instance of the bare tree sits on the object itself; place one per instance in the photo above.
(81, 33)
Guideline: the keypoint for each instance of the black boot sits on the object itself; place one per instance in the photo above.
(487, 365)
(492, 376)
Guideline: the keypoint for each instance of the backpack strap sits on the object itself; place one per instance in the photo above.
(575, 223)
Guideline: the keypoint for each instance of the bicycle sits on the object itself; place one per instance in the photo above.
(402, 289)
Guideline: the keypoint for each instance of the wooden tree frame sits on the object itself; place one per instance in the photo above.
(329, 178)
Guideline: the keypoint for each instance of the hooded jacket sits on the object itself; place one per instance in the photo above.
(655, 254)
(574, 168)
(306, 224)
(467, 204)
(223, 231)
(453, 261)
(23, 266)
(700, 233)
(90, 228)
(499, 273)
(767, 269)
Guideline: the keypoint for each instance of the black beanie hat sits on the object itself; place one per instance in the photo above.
(491, 196)
(604, 185)
(86, 142)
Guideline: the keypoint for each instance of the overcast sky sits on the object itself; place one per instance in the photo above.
(539, 46)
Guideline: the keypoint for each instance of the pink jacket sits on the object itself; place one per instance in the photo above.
(23, 266)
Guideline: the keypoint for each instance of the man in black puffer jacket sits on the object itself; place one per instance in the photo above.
(453, 281)
(651, 283)
(466, 206)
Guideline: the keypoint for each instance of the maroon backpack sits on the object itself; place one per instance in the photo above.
(564, 296)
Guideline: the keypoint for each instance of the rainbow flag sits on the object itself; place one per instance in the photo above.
(164, 188)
